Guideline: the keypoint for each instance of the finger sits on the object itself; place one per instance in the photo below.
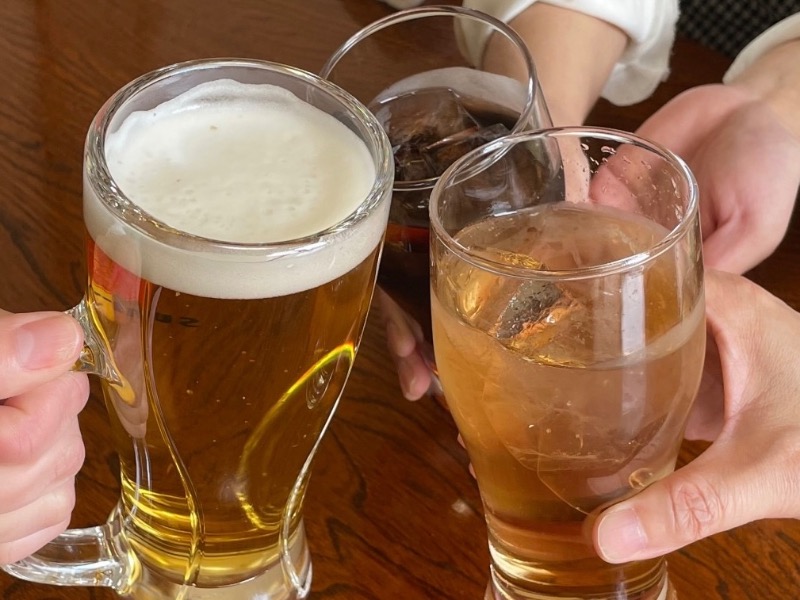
(47, 511)
(403, 339)
(18, 549)
(414, 375)
(34, 348)
(402, 331)
(714, 493)
(30, 422)
(59, 464)
(400, 338)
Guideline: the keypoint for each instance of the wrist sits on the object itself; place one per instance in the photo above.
(775, 79)
(574, 54)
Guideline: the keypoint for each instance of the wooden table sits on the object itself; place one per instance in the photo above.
(392, 512)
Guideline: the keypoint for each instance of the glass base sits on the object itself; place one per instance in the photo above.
(273, 584)
(500, 589)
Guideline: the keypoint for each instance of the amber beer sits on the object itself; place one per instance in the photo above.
(229, 359)
(570, 394)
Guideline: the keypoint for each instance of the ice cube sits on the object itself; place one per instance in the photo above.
(519, 176)
(523, 316)
(589, 463)
(410, 164)
(533, 312)
(444, 152)
(417, 120)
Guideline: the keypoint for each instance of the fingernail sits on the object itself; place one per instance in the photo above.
(46, 342)
(620, 535)
(407, 379)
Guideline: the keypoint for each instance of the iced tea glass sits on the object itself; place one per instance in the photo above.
(568, 324)
(422, 74)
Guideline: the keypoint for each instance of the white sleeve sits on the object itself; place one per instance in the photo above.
(783, 31)
(649, 25)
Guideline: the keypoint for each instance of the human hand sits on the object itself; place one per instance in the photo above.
(405, 341)
(752, 469)
(40, 443)
(747, 164)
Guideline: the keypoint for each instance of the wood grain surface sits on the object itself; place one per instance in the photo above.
(392, 512)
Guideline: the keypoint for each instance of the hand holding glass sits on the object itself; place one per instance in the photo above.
(568, 326)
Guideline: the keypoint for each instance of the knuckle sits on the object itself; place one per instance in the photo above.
(51, 511)
(71, 459)
(697, 508)
(60, 504)
(79, 388)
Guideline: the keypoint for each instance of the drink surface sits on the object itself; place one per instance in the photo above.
(241, 163)
(230, 367)
(569, 394)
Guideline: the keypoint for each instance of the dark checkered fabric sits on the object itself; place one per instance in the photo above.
(728, 25)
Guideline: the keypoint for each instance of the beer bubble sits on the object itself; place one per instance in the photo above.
(641, 478)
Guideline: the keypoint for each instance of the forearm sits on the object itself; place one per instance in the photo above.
(573, 52)
(775, 78)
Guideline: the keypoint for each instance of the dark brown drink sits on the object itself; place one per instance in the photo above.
(429, 130)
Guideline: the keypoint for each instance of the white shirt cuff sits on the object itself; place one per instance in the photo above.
(783, 31)
(649, 25)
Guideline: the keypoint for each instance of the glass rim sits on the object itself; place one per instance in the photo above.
(411, 14)
(122, 207)
(466, 165)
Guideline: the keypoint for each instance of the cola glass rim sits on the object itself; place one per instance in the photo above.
(483, 157)
(531, 85)
(123, 207)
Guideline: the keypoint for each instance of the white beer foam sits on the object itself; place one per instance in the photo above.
(240, 163)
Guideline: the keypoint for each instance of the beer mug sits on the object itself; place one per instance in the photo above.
(568, 323)
(235, 211)
(425, 75)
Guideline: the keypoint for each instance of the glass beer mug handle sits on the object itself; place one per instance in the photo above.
(94, 556)
(93, 358)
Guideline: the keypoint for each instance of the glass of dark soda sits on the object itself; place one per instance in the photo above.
(442, 81)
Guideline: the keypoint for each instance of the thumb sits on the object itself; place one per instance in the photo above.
(713, 493)
(35, 348)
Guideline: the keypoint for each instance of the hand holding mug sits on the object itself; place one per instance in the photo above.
(40, 444)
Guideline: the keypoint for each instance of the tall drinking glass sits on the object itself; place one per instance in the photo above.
(422, 75)
(568, 324)
(235, 211)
